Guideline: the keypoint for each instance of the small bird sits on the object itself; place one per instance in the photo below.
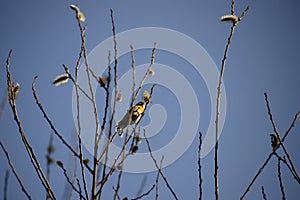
(137, 112)
(274, 141)
(133, 116)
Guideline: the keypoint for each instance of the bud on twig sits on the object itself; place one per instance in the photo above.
(16, 91)
(229, 18)
(61, 79)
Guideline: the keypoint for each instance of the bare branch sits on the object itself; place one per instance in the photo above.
(113, 168)
(133, 75)
(79, 188)
(218, 110)
(78, 191)
(280, 180)
(269, 157)
(157, 177)
(29, 150)
(157, 167)
(107, 95)
(257, 174)
(263, 193)
(145, 76)
(14, 172)
(50, 150)
(286, 163)
(145, 194)
(199, 166)
(232, 7)
(52, 125)
(244, 13)
(116, 193)
(106, 86)
(294, 172)
(5, 184)
(218, 103)
(78, 122)
(119, 178)
(75, 82)
(115, 94)
(95, 166)
(291, 126)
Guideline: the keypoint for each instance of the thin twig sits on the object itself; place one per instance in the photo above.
(124, 156)
(14, 172)
(113, 168)
(145, 194)
(285, 162)
(156, 185)
(107, 95)
(291, 126)
(116, 193)
(157, 178)
(263, 193)
(79, 138)
(5, 185)
(49, 160)
(280, 180)
(52, 125)
(157, 167)
(72, 169)
(218, 111)
(257, 174)
(88, 72)
(79, 125)
(146, 74)
(75, 82)
(59, 163)
(134, 95)
(269, 157)
(104, 119)
(78, 63)
(232, 7)
(95, 165)
(107, 147)
(199, 166)
(244, 13)
(79, 188)
(29, 150)
(115, 73)
(115, 77)
(119, 178)
(151, 92)
(294, 172)
(94, 75)
(219, 100)
(116, 91)
(133, 74)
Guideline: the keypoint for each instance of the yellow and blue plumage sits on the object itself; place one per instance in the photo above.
(133, 116)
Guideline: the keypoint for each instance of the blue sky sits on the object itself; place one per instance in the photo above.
(263, 58)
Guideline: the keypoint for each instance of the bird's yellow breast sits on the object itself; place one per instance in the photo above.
(139, 109)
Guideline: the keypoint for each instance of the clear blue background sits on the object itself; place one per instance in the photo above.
(264, 57)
